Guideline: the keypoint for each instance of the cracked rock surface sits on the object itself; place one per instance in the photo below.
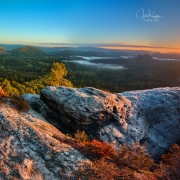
(145, 116)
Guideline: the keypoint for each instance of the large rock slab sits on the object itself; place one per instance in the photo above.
(151, 116)
(88, 108)
(29, 149)
(154, 118)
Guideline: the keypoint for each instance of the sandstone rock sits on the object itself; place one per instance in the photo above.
(151, 116)
(88, 108)
(154, 118)
(37, 105)
(29, 149)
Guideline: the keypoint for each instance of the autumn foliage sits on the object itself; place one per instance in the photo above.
(123, 163)
(99, 149)
(2, 93)
(81, 136)
(169, 167)
(126, 162)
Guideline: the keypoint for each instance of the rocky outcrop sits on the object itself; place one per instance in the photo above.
(154, 118)
(151, 116)
(88, 108)
(29, 149)
(51, 116)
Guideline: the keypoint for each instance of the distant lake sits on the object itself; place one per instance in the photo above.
(99, 65)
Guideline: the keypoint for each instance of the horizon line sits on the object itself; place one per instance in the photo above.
(111, 46)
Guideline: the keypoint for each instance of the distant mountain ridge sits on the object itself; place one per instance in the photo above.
(68, 53)
(10, 46)
(145, 57)
(166, 55)
(28, 51)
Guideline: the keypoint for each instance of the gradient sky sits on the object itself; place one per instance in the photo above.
(112, 23)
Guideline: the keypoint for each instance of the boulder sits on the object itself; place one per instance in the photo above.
(148, 116)
(154, 118)
(29, 148)
(88, 109)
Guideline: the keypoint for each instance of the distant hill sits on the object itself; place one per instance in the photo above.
(166, 55)
(28, 51)
(97, 52)
(145, 57)
(10, 46)
(68, 53)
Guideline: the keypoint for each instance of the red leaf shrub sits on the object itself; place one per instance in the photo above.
(99, 149)
(134, 157)
(170, 166)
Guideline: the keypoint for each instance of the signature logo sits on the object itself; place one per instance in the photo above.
(147, 16)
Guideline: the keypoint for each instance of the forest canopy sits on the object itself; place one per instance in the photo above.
(56, 77)
(29, 74)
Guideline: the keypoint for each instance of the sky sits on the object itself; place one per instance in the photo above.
(116, 24)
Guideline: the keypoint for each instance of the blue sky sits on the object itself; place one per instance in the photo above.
(90, 21)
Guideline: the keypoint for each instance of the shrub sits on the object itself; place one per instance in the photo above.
(128, 162)
(134, 157)
(104, 169)
(170, 165)
(81, 136)
(19, 102)
(98, 149)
